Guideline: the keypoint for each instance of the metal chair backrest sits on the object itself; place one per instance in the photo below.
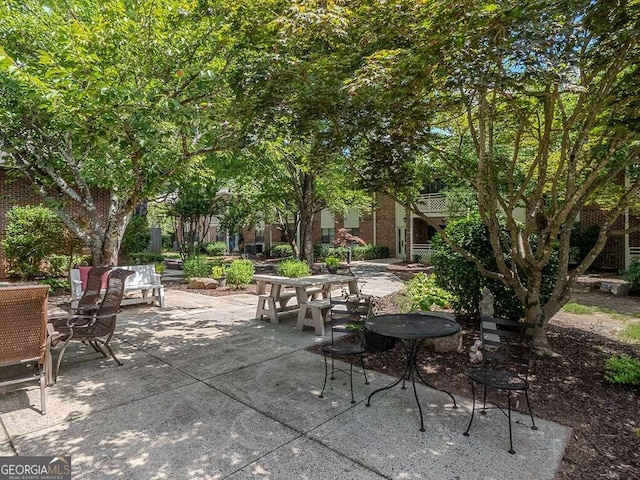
(110, 305)
(23, 324)
(91, 295)
(506, 342)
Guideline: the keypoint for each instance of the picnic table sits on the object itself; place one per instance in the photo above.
(304, 295)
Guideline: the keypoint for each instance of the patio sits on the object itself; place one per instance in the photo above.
(208, 392)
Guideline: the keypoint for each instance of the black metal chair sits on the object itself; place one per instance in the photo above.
(344, 350)
(96, 326)
(507, 346)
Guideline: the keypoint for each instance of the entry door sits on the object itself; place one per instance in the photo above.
(402, 249)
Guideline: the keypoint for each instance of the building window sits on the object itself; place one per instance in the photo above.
(354, 231)
(260, 235)
(436, 186)
(328, 235)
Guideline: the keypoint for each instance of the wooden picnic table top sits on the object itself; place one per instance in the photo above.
(305, 281)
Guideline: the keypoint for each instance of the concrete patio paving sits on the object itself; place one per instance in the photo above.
(207, 392)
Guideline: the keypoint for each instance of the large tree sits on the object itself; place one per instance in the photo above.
(116, 95)
(291, 65)
(533, 104)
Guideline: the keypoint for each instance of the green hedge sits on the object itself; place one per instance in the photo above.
(293, 268)
(215, 249)
(462, 279)
(281, 251)
(32, 234)
(196, 266)
(358, 252)
(240, 273)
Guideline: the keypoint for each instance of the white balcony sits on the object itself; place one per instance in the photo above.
(432, 204)
(422, 251)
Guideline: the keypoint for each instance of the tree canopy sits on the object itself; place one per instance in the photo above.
(114, 95)
(533, 104)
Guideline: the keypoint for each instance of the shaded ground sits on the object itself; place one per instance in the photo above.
(568, 389)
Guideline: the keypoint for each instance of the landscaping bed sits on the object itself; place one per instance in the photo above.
(568, 389)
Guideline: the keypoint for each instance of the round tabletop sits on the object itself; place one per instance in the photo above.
(414, 325)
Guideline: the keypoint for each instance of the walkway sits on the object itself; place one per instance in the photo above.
(206, 392)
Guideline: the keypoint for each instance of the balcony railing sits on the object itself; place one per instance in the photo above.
(432, 204)
(421, 252)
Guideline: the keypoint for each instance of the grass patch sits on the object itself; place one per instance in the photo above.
(579, 309)
(632, 332)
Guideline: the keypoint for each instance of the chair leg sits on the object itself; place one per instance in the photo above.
(533, 423)
(326, 374)
(484, 402)
(97, 349)
(364, 370)
(511, 451)
(43, 384)
(473, 408)
(113, 354)
(60, 355)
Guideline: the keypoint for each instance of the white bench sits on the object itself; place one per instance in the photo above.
(144, 279)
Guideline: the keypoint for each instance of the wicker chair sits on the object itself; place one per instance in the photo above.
(91, 296)
(23, 330)
(96, 327)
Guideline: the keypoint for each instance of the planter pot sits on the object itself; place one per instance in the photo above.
(378, 343)
(222, 281)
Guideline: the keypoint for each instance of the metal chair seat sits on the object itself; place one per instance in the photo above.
(499, 379)
(344, 349)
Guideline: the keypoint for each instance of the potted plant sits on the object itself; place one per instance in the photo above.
(219, 273)
(332, 264)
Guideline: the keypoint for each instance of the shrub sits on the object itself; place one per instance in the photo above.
(159, 268)
(144, 258)
(332, 262)
(282, 251)
(218, 271)
(57, 285)
(196, 266)
(171, 255)
(462, 279)
(83, 260)
(632, 275)
(59, 265)
(623, 369)
(423, 292)
(216, 249)
(293, 268)
(136, 236)
(358, 252)
(240, 273)
(32, 234)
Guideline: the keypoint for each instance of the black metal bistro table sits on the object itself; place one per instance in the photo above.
(410, 328)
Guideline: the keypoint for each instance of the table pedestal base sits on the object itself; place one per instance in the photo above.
(410, 372)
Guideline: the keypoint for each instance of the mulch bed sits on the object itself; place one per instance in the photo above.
(568, 389)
